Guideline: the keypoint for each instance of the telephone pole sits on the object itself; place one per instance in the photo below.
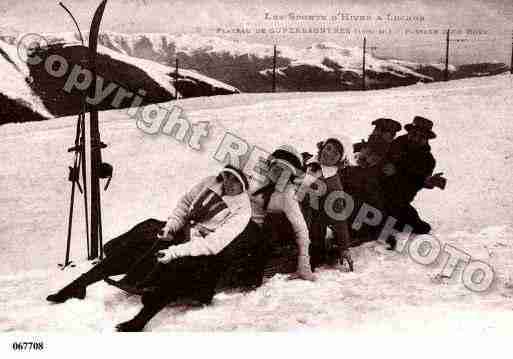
(176, 78)
(274, 69)
(511, 66)
(446, 73)
(363, 64)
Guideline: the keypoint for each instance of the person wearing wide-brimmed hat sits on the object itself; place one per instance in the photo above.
(408, 164)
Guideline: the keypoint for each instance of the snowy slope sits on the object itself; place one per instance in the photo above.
(388, 292)
(14, 83)
(48, 99)
(156, 70)
(162, 73)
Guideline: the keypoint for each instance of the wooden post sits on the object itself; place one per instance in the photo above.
(274, 69)
(363, 65)
(176, 78)
(511, 66)
(446, 73)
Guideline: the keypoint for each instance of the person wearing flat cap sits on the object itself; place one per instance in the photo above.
(385, 128)
(408, 164)
(382, 136)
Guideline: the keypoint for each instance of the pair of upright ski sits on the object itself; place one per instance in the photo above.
(98, 168)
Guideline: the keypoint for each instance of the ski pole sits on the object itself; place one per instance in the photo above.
(72, 201)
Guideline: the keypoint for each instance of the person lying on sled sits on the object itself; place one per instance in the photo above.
(208, 219)
(325, 167)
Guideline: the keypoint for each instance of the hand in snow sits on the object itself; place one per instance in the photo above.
(345, 256)
(303, 269)
(165, 256)
(389, 169)
(305, 275)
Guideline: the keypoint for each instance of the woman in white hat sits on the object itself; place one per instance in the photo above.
(194, 240)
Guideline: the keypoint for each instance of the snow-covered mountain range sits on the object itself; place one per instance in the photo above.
(146, 61)
(248, 66)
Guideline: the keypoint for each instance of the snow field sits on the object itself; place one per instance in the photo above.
(388, 292)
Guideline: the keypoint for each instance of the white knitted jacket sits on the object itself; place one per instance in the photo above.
(210, 236)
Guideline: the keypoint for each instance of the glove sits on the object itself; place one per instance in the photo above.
(304, 270)
(436, 180)
(165, 256)
(345, 255)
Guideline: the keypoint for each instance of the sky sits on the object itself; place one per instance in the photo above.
(410, 36)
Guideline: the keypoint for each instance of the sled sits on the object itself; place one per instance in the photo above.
(281, 259)
(130, 282)
(125, 286)
(280, 253)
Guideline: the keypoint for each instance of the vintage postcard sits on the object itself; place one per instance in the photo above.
(255, 166)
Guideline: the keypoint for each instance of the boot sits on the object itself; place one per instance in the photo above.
(132, 325)
(73, 290)
(77, 288)
(137, 323)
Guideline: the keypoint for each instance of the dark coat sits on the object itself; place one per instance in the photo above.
(412, 165)
(363, 184)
